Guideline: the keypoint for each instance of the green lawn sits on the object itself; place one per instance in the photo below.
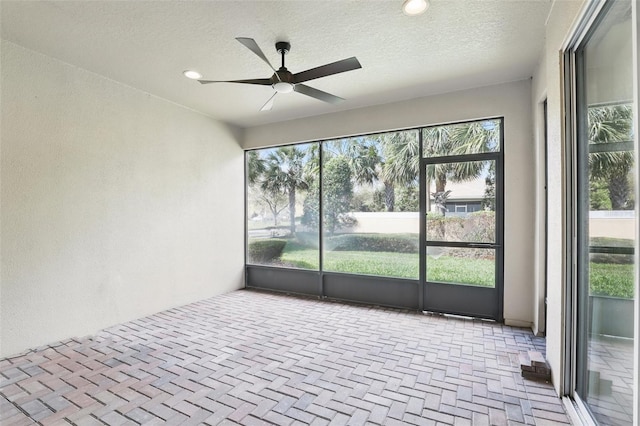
(398, 265)
(607, 279)
(480, 272)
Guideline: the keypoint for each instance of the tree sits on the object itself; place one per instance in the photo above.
(440, 200)
(362, 156)
(276, 202)
(489, 198)
(612, 124)
(408, 198)
(255, 166)
(364, 160)
(311, 207)
(273, 199)
(459, 139)
(391, 159)
(394, 158)
(401, 163)
(599, 195)
(337, 191)
(284, 172)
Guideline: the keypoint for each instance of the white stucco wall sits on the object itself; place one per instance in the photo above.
(115, 203)
(539, 95)
(511, 100)
(547, 83)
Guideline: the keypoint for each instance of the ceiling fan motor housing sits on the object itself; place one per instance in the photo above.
(282, 75)
(283, 47)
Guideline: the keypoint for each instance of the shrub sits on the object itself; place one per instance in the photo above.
(395, 243)
(611, 243)
(475, 227)
(266, 250)
(611, 280)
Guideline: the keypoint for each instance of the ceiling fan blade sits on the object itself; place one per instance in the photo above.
(259, 81)
(318, 94)
(329, 69)
(251, 44)
(269, 104)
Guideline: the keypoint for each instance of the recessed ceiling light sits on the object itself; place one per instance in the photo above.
(415, 7)
(193, 75)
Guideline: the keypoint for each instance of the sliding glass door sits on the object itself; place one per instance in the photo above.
(605, 217)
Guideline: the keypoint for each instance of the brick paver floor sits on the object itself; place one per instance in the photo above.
(610, 394)
(255, 358)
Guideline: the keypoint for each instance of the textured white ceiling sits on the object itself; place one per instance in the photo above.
(456, 44)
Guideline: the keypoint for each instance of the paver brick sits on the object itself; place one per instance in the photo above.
(550, 415)
(438, 416)
(286, 361)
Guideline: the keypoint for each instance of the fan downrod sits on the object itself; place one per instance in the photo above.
(283, 48)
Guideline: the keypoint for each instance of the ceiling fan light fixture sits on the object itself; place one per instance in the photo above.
(193, 75)
(283, 81)
(283, 87)
(415, 7)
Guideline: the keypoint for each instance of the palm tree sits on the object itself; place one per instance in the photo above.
(361, 154)
(284, 172)
(364, 160)
(394, 158)
(255, 166)
(391, 158)
(401, 163)
(459, 139)
(609, 125)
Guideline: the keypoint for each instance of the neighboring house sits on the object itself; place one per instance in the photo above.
(465, 197)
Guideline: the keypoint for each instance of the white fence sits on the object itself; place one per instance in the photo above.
(612, 224)
(385, 223)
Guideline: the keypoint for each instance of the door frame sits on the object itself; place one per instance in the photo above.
(462, 299)
(573, 332)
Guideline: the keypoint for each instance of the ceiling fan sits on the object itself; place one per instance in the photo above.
(283, 81)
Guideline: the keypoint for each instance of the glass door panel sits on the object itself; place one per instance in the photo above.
(606, 218)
